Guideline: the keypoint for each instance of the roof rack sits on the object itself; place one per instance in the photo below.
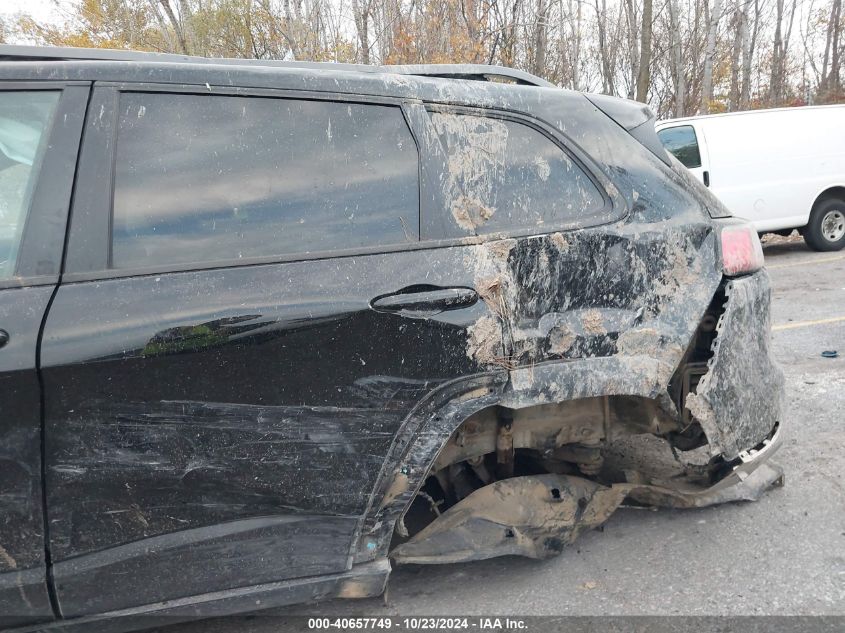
(476, 72)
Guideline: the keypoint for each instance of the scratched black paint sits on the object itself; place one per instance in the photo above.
(285, 406)
(23, 587)
(239, 427)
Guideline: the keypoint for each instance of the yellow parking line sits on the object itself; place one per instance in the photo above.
(792, 326)
(821, 260)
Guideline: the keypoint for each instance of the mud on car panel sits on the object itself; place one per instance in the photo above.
(382, 314)
(733, 415)
(633, 321)
(581, 458)
(554, 470)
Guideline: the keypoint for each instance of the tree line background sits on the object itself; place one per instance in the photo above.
(681, 56)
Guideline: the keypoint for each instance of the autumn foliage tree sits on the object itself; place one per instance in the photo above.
(682, 56)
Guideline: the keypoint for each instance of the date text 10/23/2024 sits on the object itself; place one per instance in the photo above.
(417, 623)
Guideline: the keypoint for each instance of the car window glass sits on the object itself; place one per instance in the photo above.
(504, 175)
(24, 116)
(682, 143)
(201, 178)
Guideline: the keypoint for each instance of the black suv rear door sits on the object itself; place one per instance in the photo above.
(40, 125)
(246, 319)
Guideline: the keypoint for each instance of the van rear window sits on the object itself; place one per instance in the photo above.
(202, 178)
(682, 143)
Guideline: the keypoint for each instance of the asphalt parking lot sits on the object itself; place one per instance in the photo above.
(784, 554)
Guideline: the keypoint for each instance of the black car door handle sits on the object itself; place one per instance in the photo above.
(4, 337)
(706, 176)
(421, 301)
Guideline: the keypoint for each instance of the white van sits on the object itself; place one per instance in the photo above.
(782, 169)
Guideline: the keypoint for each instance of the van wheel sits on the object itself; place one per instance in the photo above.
(826, 229)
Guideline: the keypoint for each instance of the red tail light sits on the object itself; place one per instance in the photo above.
(741, 250)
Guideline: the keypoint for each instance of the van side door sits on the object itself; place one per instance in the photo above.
(40, 126)
(246, 320)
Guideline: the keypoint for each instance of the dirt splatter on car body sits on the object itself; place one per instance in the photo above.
(504, 311)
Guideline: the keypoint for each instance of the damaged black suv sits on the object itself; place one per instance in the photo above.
(267, 326)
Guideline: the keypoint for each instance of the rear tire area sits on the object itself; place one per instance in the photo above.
(826, 229)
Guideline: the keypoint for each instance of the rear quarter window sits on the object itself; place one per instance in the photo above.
(504, 175)
(201, 178)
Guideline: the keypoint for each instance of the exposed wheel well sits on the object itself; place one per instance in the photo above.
(569, 438)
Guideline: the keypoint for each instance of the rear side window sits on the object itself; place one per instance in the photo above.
(505, 175)
(202, 178)
(24, 118)
(682, 143)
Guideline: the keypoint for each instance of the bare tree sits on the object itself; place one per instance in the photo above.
(644, 76)
(740, 28)
(576, 23)
(680, 56)
(780, 51)
(538, 67)
(709, 52)
(361, 12)
(176, 24)
(678, 74)
(830, 83)
(630, 12)
(834, 79)
(749, 47)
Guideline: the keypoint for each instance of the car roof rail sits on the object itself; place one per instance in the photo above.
(476, 72)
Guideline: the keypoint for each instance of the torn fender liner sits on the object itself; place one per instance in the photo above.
(740, 398)
(533, 516)
(536, 515)
(750, 487)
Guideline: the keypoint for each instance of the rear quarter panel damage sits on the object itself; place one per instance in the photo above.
(741, 395)
(601, 310)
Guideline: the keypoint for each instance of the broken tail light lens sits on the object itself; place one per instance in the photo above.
(742, 252)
